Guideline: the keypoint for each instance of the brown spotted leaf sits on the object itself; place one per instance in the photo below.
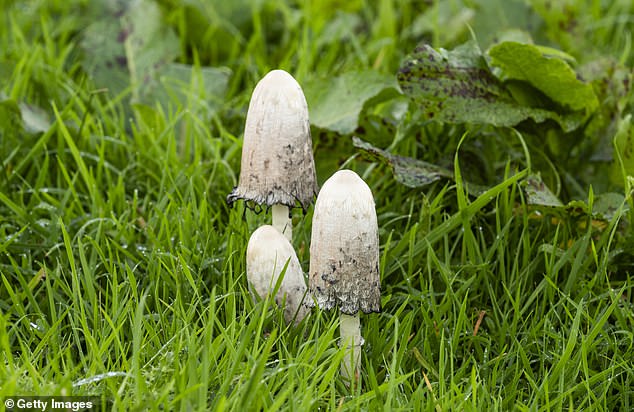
(457, 86)
(538, 194)
(412, 172)
(407, 171)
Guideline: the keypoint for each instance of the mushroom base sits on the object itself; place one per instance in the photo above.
(351, 342)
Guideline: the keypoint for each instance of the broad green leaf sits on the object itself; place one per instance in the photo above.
(524, 37)
(335, 103)
(131, 50)
(555, 53)
(612, 84)
(546, 71)
(128, 46)
(458, 87)
(408, 171)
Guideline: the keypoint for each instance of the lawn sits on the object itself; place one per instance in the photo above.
(495, 136)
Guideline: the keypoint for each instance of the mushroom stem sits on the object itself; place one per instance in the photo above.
(282, 220)
(351, 341)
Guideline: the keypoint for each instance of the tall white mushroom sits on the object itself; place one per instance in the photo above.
(277, 168)
(344, 258)
(268, 252)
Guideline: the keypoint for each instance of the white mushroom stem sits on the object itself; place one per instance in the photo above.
(282, 220)
(351, 342)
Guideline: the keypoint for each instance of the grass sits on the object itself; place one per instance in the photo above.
(122, 268)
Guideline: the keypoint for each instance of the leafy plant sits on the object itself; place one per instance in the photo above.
(460, 87)
(517, 85)
(130, 51)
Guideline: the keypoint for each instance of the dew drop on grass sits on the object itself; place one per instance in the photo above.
(43, 223)
(37, 327)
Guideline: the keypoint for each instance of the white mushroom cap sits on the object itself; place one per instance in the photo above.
(267, 253)
(277, 156)
(344, 248)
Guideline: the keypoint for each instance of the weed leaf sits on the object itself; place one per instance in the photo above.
(544, 69)
(335, 104)
(407, 171)
(537, 193)
(458, 87)
(131, 50)
(128, 46)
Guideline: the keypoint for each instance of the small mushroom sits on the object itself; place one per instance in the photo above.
(268, 252)
(344, 258)
(278, 169)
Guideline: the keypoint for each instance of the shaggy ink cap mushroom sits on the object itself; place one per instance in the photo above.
(277, 157)
(268, 252)
(344, 259)
(344, 249)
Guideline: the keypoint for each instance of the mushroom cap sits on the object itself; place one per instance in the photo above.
(344, 247)
(277, 155)
(267, 253)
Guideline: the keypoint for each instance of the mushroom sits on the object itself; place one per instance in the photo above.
(268, 253)
(278, 169)
(344, 258)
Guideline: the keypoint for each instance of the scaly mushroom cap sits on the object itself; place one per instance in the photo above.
(267, 253)
(277, 156)
(344, 247)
